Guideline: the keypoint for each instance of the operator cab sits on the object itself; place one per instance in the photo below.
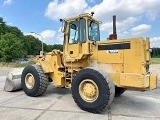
(79, 33)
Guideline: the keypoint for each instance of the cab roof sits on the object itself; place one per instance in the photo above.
(85, 15)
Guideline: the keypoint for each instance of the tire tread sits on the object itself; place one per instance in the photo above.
(42, 84)
(108, 84)
(43, 80)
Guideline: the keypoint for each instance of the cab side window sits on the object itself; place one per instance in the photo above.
(93, 31)
(73, 32)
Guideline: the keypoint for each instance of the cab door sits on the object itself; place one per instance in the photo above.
(73, 39)
(77, 39)
(83, 43)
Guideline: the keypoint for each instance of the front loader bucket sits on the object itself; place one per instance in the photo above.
(13, 80)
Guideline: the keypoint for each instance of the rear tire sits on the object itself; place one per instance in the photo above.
(93, 89)
(33, 80)
(119, 91)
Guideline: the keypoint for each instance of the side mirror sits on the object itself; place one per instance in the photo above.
(63, 25)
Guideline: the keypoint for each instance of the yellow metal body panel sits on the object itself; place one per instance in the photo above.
(108, 57)
(153, 82)
(73, 48)
(52, 65)
(46, 66)
(58, 78)
(148, 49)
(134, 80)
(134, 58)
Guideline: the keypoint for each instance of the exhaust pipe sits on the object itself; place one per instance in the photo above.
(114, 35)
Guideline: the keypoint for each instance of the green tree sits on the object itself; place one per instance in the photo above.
(155, 52)
(55, 46)
(14, 30)
(2, 27)
(10, 47)
(32, 45)
(58, 47)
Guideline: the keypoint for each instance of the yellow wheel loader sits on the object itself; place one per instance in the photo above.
(95, 70)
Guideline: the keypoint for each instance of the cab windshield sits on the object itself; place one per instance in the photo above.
(93, 31)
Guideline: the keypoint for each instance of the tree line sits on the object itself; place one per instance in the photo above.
(14, 44)
(155, 52)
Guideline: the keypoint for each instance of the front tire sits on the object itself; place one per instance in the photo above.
(33, 80)
(92, 89)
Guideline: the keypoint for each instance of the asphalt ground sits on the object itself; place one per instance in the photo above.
(58, 104)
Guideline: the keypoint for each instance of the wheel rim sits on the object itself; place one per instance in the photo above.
(29, 81)
(88, 90)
